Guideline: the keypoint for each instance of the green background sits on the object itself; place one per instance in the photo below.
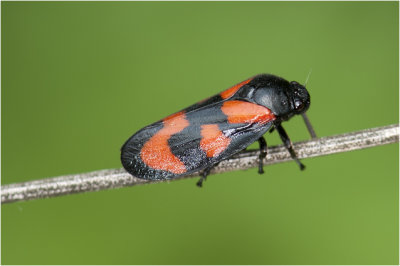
(79, 78)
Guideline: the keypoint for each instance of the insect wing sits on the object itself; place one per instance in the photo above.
(192, 140)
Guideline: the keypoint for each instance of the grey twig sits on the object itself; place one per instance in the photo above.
(115, 178)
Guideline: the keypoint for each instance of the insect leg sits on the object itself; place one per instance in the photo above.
(309, 126)
(288, 144)
(263, 154)
(203, 176)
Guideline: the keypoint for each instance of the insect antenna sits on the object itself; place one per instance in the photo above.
(305, 117)
(308, 77)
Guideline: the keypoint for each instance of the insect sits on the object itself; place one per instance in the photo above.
(200, 136)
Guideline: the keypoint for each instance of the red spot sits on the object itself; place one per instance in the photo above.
(229, 92)
(245, 112)
(213, 141)
(156, 152)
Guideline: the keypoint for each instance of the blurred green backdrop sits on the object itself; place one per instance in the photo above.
(79, 78)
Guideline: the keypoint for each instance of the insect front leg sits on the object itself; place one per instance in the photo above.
(263, 154)
(288, 144)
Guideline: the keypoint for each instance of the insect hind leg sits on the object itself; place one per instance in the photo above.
(263, 154)
(203, 176)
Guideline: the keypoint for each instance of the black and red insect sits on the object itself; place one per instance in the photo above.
(200, 136)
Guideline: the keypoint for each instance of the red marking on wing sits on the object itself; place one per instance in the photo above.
(245, 112)
(213, 141)
(156, 152)
(229, 92)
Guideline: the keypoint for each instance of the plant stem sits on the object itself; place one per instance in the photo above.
(115, 178)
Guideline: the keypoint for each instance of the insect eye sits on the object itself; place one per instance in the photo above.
(299, 105)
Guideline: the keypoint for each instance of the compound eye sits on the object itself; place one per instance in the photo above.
(298, 105)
